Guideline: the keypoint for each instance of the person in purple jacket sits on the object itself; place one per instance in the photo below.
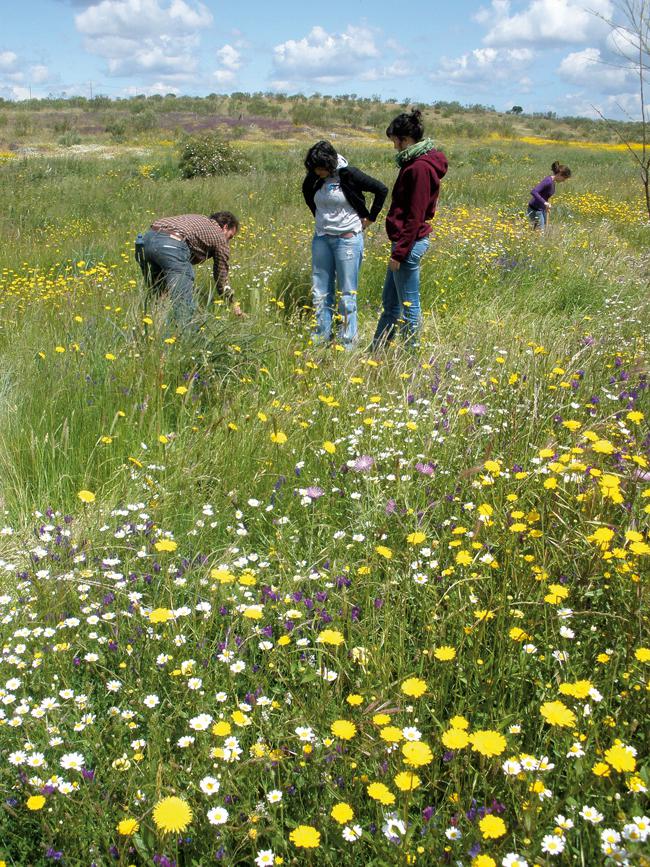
(413, 204)
(539, 205)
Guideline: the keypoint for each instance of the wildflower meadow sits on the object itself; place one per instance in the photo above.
(268, 603)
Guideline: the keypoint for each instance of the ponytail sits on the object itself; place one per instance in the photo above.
(406, 126)
(558, 169)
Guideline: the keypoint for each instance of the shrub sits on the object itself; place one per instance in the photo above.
(69, 138)
(207, 154)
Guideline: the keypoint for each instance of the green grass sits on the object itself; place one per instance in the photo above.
(288, 482)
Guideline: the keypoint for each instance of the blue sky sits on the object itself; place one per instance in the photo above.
(545, 55)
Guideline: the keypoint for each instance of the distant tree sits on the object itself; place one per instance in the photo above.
(630, 36)
(516, 109)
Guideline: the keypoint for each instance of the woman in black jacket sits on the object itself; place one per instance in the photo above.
(333, 190)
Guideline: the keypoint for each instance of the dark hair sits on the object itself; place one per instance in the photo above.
(226, 220)
(322, 155)
(558, 169)
(406, 126)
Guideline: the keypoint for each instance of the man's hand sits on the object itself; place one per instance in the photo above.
(393, 264)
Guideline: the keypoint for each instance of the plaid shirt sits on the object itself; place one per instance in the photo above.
(206, 240)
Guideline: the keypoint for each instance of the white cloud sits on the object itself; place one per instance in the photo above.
(545, 22)
(587, 68)
(19, 79)
(8, 61)
(230, 61)
(150, 37)
(399, 69)
(39, 73)
(620, 106)
(325, 58)
(485, 66)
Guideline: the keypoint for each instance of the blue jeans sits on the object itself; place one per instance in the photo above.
(334, 257)
(166, 266)
(401, 299)
(537, 218)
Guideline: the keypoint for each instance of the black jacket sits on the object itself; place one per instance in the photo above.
(354, 184)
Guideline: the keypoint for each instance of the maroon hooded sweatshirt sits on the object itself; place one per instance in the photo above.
(414, 200)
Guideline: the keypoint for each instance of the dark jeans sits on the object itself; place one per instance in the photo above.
(166, 267)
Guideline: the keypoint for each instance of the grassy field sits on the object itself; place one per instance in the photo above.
(263, 603)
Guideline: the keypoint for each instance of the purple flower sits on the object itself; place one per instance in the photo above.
(364, 463)
(426, 469)
(477, 408)
(314, 492)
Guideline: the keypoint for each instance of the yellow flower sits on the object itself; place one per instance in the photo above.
(380, 719)
(160, 615)
(344, 729)
(330, 636)
(417, 753)
(488, 742)
(556, 713)
(445, 653)
(166, 545)
(603, 447)
(354, 700)
(483, 861)
(455, 739)
(221, 729)
(635, 416)
(342, 813)
(571, 424)
(128, 827)
(601, 769)
(557, 593)
(579, 689)
(223, 576)
(642, 654)
(280, 438)
(407, 781)
(305, 837)
(380, 792)
(329, 447)
(464, 558)
(620, 758)
(86, 496)
(35, 802)
(414, 687)
(391, 734)
(458, 722)
(383, 551)
(493, 467)
(492, 827)
(602, 536)
(416, 538)
(172, 815)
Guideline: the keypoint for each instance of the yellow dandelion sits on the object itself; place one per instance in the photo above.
(414, 687)
(172, 815)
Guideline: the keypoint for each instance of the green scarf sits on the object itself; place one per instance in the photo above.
(413, 151)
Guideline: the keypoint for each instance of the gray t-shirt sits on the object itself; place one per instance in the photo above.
(334, 214)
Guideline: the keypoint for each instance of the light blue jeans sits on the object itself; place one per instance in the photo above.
(537, 218)
(401, 299)
(335, 258)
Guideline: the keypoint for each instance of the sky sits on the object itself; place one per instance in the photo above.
(543, 55)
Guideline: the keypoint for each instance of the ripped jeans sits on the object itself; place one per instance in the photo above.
(336, 258)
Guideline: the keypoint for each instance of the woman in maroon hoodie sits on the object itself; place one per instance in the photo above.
(413, 204)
